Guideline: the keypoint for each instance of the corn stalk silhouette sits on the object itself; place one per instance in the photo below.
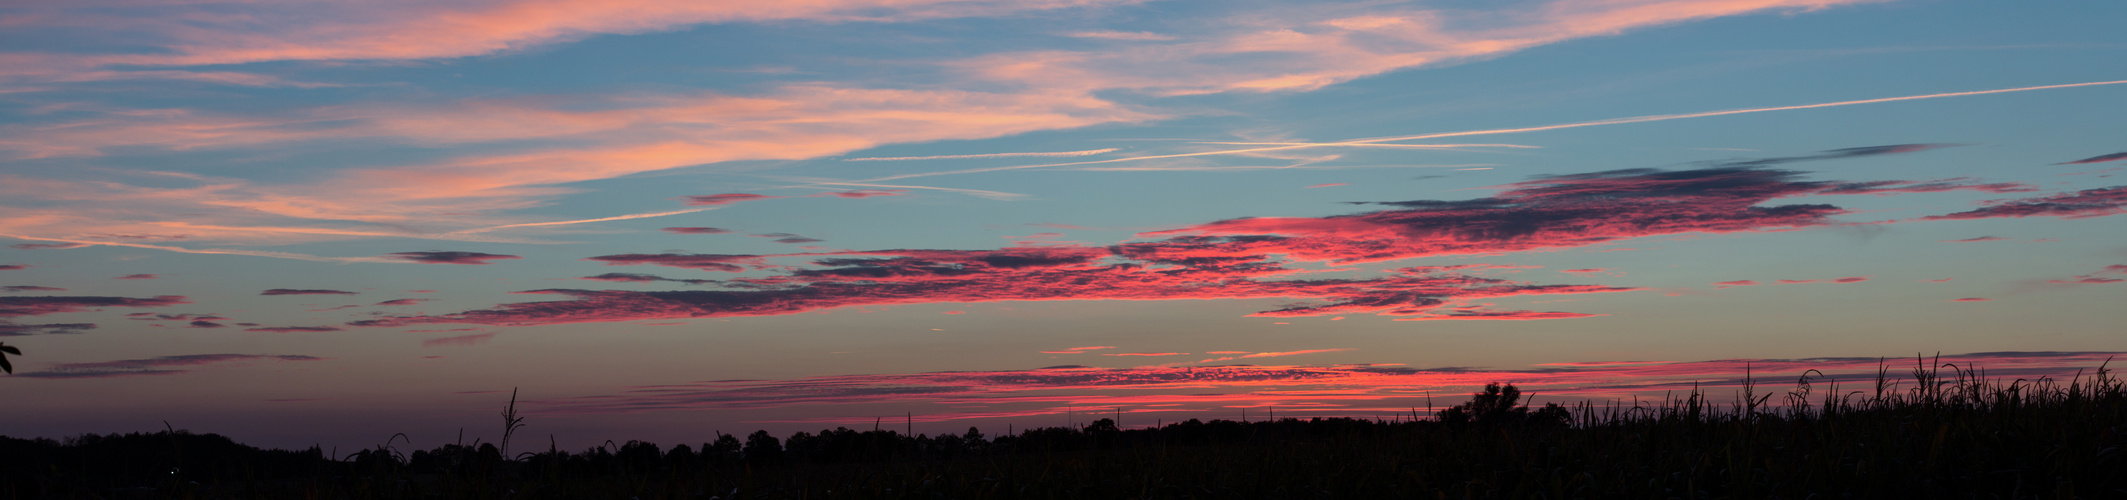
(4, 351)
(510, 422)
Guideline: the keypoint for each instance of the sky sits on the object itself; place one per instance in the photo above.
(299, 223)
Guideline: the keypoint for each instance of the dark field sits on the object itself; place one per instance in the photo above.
(1947, 433)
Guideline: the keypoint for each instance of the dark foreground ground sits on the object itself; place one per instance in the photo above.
(1953, 437)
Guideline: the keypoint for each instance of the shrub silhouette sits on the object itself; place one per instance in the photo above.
(1497, 405)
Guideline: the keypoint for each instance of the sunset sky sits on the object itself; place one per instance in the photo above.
(301, 223)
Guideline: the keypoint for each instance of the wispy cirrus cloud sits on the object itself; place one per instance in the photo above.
(160, 365)
(695, 230)
(1057, 154)
(726, 198)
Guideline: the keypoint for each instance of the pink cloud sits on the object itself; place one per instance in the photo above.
(695, 230)
(162, 365)
(726, 198)
(1726, 284)
(1851, 279)
(137, 277)
(13, 267)
(1147, 354)
(1975, 239)
(13, 329)
(292, 291)
(464, 258)
(2079, 205)
(956, 312)
(46, 246)
(402, 302)
(1585, 271)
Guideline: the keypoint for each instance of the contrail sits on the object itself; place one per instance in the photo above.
(216, 251)
(1613, 121)
(584, 221)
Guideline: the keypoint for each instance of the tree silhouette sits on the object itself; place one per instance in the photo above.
(4, 351)
(1497, 405)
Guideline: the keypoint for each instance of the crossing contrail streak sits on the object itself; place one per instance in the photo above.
(1612, 121)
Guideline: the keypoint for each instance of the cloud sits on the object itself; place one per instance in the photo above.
(31, 288)
(1971, 299)
(1793, 282)
(46, 246)
(1247, 355)
(161, 365)
(695, 230)
(1089, 152)
(467, 258)
(1146, 354)
(402, 302)
(13, 267)
(1079, 350)
(205, 324)
(863, 193)
(1231, 259)
(1586, 271)
(460, 340)
(579, 221)
(293, 329)
(1851, 279)
(137, 277)
(2097, 159)
(1726, 284)
(2080, 205)
(726, 198)
(1121, 35)
(1548, 212)
(1836, 154)
(38, 306)
(293, 291)
(641, 278)
(2094, 278)
(13, 329)
(1975, 239)
(1205, 388)
(706, 262)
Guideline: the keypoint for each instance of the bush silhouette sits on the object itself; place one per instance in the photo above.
(1497, 405)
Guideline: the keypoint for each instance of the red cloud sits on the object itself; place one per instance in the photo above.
(13, 267)
(1201, 388)
(137, 277)
(292, 291)
(466, 258)
(695, 230)
(2080, 205)
(863, 193)
(726, 198)
(1233, 259)
(1553, 212)
(153, 366)
(38, 306)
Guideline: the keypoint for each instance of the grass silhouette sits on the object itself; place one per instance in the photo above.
(1940, 430)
